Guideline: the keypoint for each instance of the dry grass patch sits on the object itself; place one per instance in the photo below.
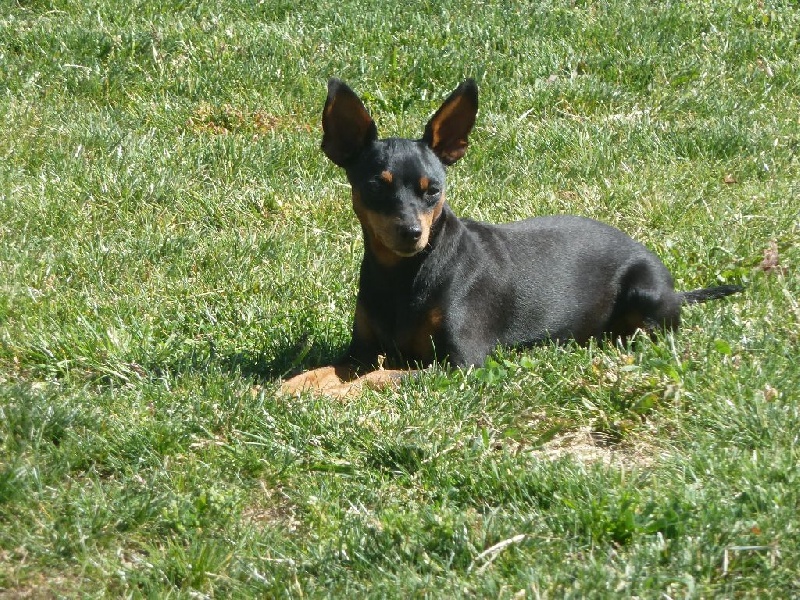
(227, 119)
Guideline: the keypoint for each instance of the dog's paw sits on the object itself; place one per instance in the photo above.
(336, 382)
(316, 380)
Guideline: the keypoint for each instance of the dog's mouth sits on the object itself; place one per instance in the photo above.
(408, 253)
(405, 249)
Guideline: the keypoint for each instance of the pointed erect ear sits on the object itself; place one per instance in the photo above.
(446, 133)
(346, 125)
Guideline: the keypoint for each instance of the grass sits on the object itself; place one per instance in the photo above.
(172, 242)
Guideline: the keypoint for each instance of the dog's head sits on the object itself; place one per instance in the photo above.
(398, 184)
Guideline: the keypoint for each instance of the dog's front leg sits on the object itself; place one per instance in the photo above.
(319, 381)
(340, 380)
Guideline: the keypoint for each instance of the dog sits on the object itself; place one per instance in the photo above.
(434, 287)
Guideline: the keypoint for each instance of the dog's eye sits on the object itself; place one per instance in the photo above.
(432, 193)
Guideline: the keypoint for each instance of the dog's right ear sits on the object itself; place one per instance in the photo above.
(347, 127)
(447, 131)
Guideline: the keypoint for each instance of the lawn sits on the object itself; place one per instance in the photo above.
(173, 243)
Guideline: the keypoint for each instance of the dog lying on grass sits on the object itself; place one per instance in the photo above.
(437, 287)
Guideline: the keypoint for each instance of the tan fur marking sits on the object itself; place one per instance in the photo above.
(338, 381)
(381, 231)
(435, 317)
(421, 341)
(321, 379)
(428, 219)
(424, 182)
(375, 226)
(329, 108)
(387, 176)
(382, 228)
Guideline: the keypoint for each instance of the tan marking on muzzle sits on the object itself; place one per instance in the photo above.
(427, 219)
(382, 231)
(376, 229)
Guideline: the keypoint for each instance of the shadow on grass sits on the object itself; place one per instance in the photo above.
(287, 359)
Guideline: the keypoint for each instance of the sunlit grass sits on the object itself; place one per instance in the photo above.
(172, 242)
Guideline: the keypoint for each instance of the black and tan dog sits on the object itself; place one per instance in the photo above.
(436, 287)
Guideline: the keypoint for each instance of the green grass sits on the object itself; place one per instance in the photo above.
(172, 242)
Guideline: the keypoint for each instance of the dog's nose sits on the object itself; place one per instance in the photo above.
(410, 233)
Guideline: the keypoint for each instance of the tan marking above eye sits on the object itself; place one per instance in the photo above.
(387, 177)
(424, 182)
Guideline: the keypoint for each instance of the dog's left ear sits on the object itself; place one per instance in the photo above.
(447, 131)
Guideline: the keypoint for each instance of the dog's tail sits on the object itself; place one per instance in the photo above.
(712, 293)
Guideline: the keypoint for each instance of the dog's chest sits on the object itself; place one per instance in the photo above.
(404, 327)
